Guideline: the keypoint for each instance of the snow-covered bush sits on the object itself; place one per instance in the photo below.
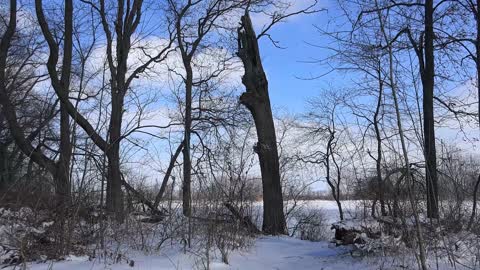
(308, 224)
(24, 235)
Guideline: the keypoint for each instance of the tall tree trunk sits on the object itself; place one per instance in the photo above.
(62, 182)
(114, 182)
(187, 163)
(428, 82)
(378, 160)
(63, 166)
(119, 86)
(62, 86)
(257, 100)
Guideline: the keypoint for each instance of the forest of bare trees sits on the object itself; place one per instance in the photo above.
(142, 125)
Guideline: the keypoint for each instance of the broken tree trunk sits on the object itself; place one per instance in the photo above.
(257, 100)
(140, 197)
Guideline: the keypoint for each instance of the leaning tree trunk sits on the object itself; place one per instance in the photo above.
(257, 101)
(171, 165)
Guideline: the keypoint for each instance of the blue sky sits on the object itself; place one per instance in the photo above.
(285, 66)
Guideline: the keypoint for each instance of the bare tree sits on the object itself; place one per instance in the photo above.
(257, 100)
(61, 85)
(471, 8)
(60, 169)
(321, 125)
(202, 16)
(127, 20)
(425, 53)
(393, 85)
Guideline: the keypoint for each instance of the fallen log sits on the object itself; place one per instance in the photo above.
(152, 206)
(244, 220)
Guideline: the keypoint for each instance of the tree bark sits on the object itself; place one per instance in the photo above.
(257, 100)
(474, 206)
(187, 162)
(428, 81)
(128, 16)
(61, 85)
(188, 81)
(114, 196)
(63, 185)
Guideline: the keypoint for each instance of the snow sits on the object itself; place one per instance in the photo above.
(358, 225)
(266, 252)
(290, 253)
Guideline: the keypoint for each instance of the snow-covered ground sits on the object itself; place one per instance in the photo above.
(265, 253)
